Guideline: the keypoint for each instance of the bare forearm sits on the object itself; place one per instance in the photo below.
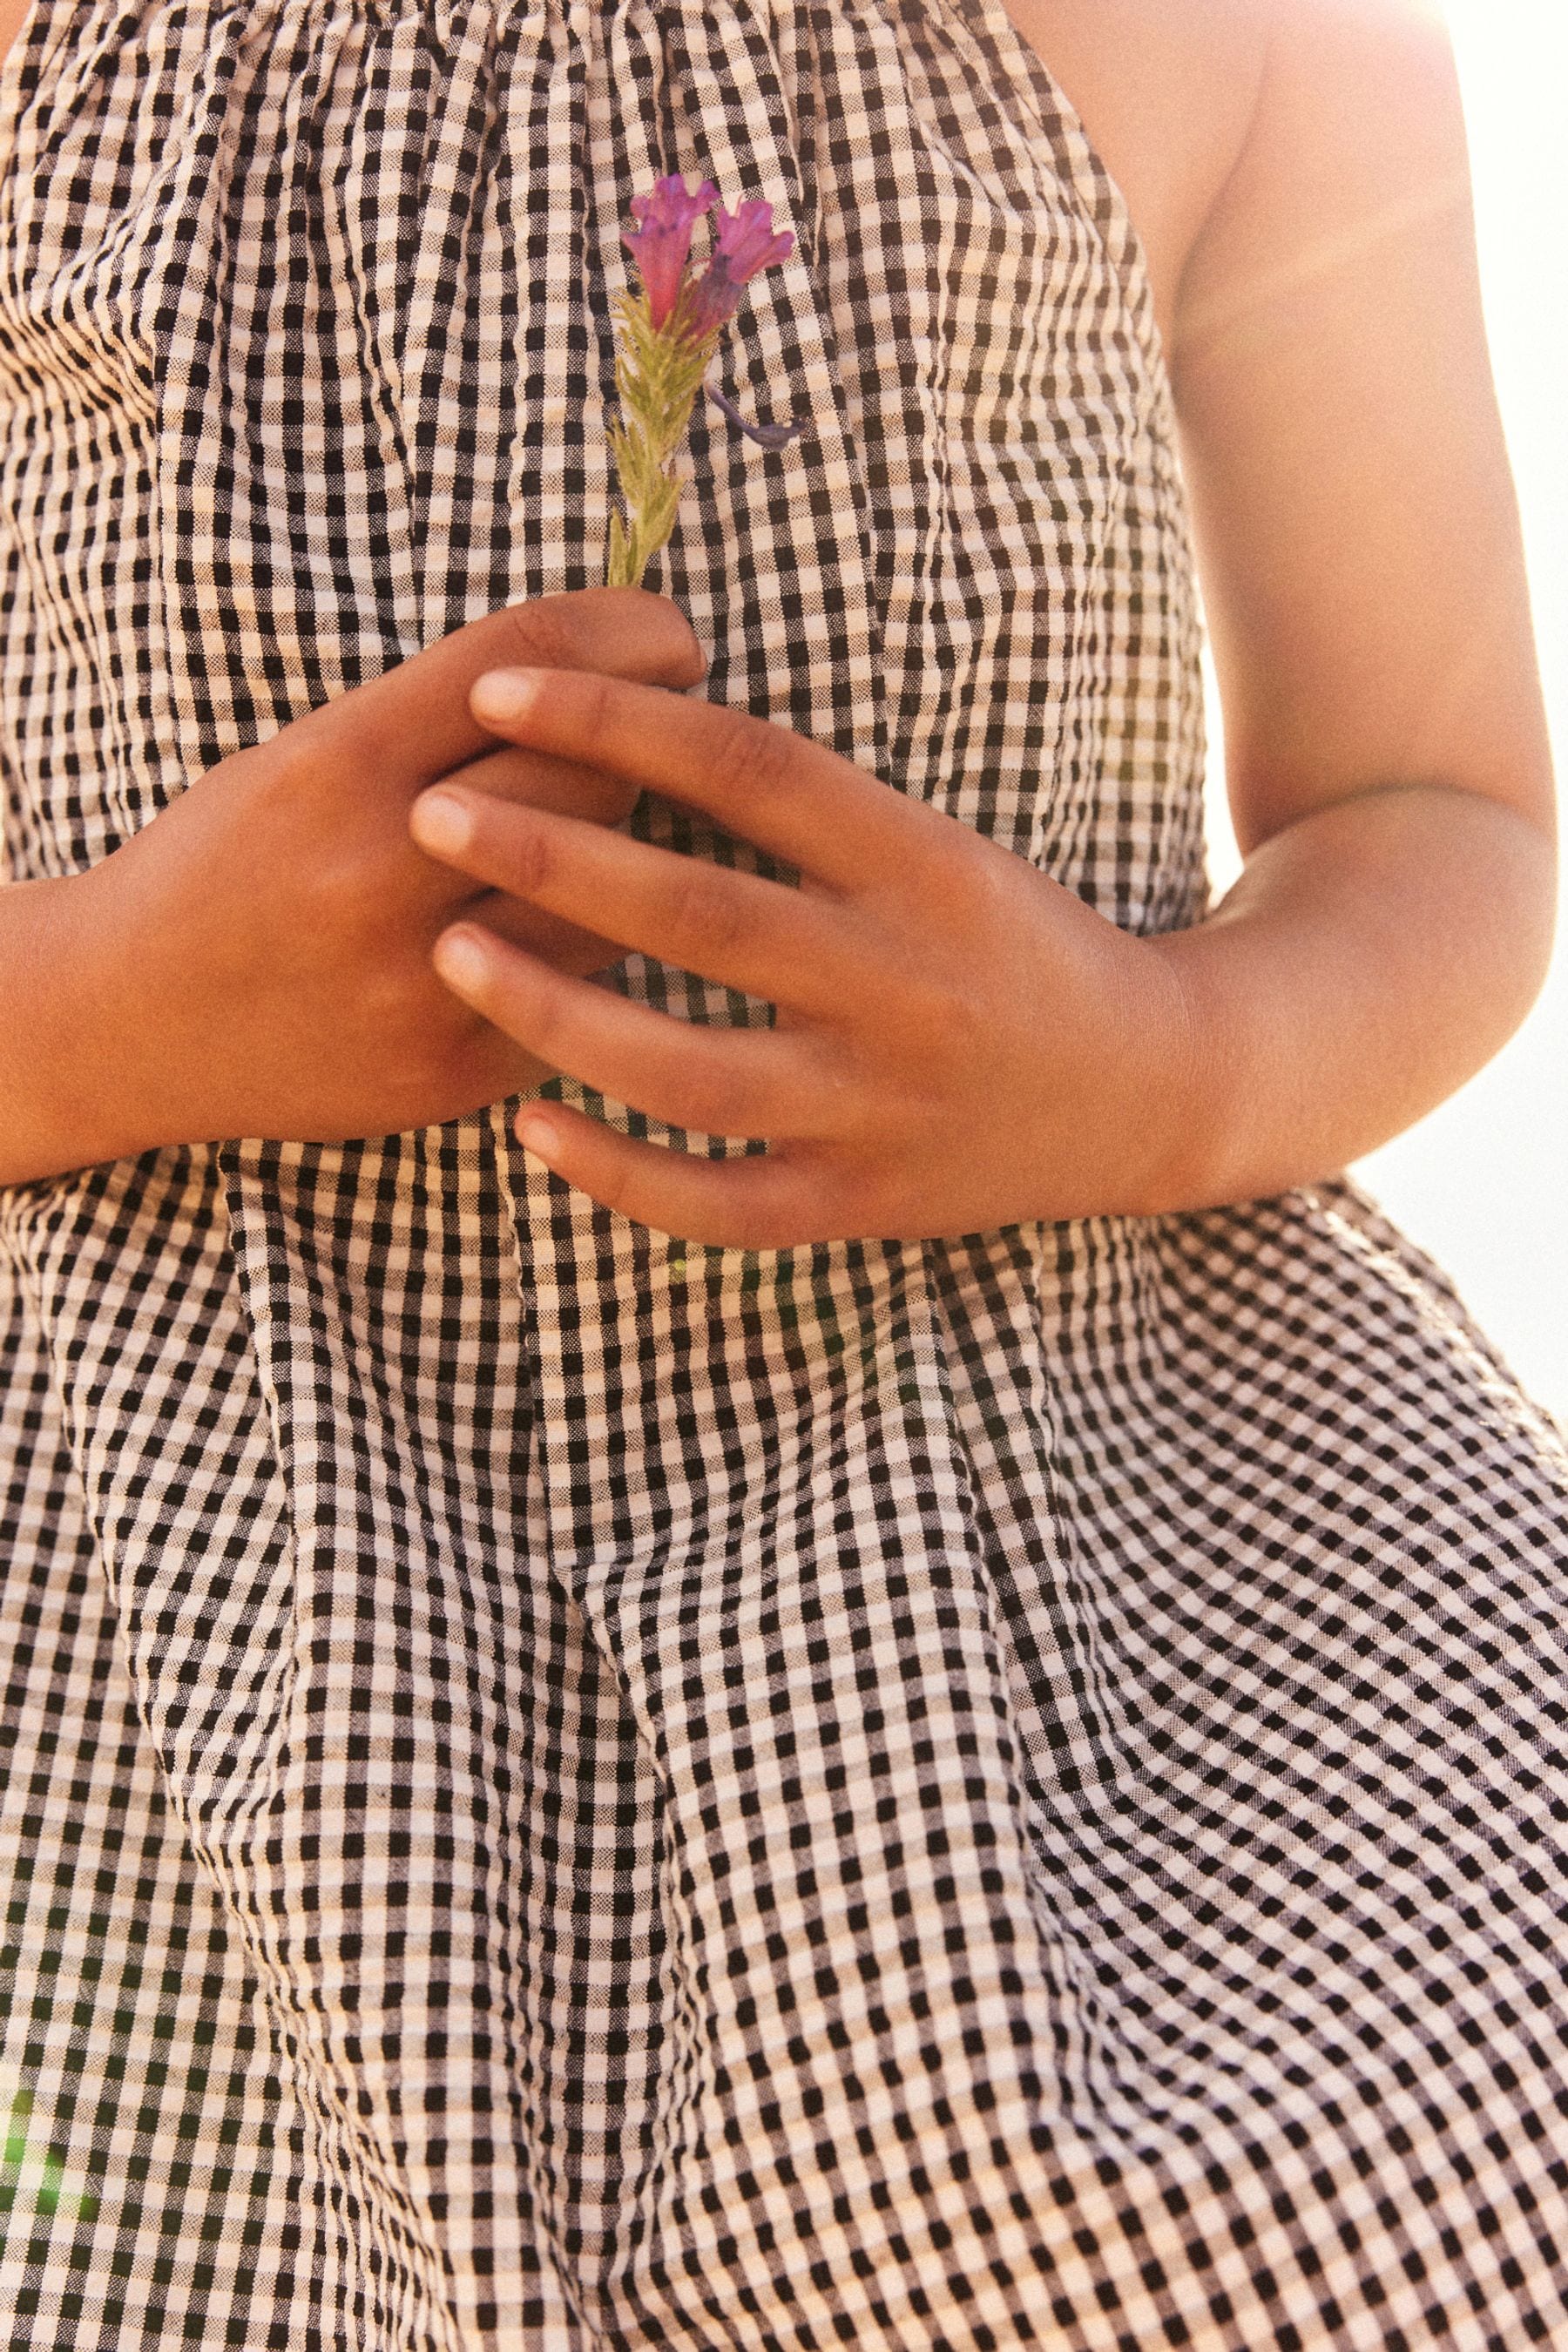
(1371, 959)
(57, 1049)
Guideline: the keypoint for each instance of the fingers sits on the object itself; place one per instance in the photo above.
(761, 782)
(536, 779)
(770, 1202)
(740, 1082)
(563, 786)
(566, 947)
(731, 927)
(414, 723)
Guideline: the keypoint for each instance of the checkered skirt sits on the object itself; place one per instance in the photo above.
(564, 1792)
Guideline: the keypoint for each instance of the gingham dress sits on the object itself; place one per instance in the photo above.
(565, 1791)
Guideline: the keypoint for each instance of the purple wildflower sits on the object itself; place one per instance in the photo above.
(743, 244)
(661, 244)
(666, 338)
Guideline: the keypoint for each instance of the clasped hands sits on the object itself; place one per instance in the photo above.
(391, 913)
(959, 1043)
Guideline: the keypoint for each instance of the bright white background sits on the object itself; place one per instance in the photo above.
(1483, 1183)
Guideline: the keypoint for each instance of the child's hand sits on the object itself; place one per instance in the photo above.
(259, 954)
(960, 1043)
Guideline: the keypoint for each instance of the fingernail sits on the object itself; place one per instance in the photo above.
(441, 821)
(503, 697)
(463, 964)
(535, 1134)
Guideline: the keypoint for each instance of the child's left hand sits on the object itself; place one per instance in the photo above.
(960, 1043)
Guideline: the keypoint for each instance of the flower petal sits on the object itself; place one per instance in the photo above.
(743, 244)
(661, 244)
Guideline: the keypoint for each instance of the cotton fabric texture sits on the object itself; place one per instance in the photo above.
(566, 1792)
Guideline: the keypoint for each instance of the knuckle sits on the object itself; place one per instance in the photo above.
(536, 1003)
(547, 632)
(703, 912)
(526, 1028)
(621, 1194)
(661, 645)
(294, 759)
(759, 756)
(600, 797)
(343, 899)
(627, 632)
(942, 1014)
(523, 849)
(766, 1229)
(588, 701)
(306, 773)
(614, 1182)
(641, 634)
(768, 1213)
(721, 1101)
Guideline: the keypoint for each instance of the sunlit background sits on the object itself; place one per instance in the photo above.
(1483, 1183)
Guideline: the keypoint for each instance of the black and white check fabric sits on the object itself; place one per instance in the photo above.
(563, 1791)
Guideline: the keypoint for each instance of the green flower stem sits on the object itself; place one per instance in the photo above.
(659, 374)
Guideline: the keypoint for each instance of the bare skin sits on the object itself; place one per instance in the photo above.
(1296, 170)
(257, 959)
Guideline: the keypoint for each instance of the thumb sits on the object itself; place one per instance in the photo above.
(414, 724)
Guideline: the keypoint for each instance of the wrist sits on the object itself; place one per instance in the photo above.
(1189, 1111)
(66, 1075)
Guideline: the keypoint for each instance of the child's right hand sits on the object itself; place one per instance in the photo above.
(257, 959)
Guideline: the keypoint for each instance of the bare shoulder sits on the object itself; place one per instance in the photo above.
(1197, 106)
(1297, 171)
(1166, 90)
(1355, 149)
